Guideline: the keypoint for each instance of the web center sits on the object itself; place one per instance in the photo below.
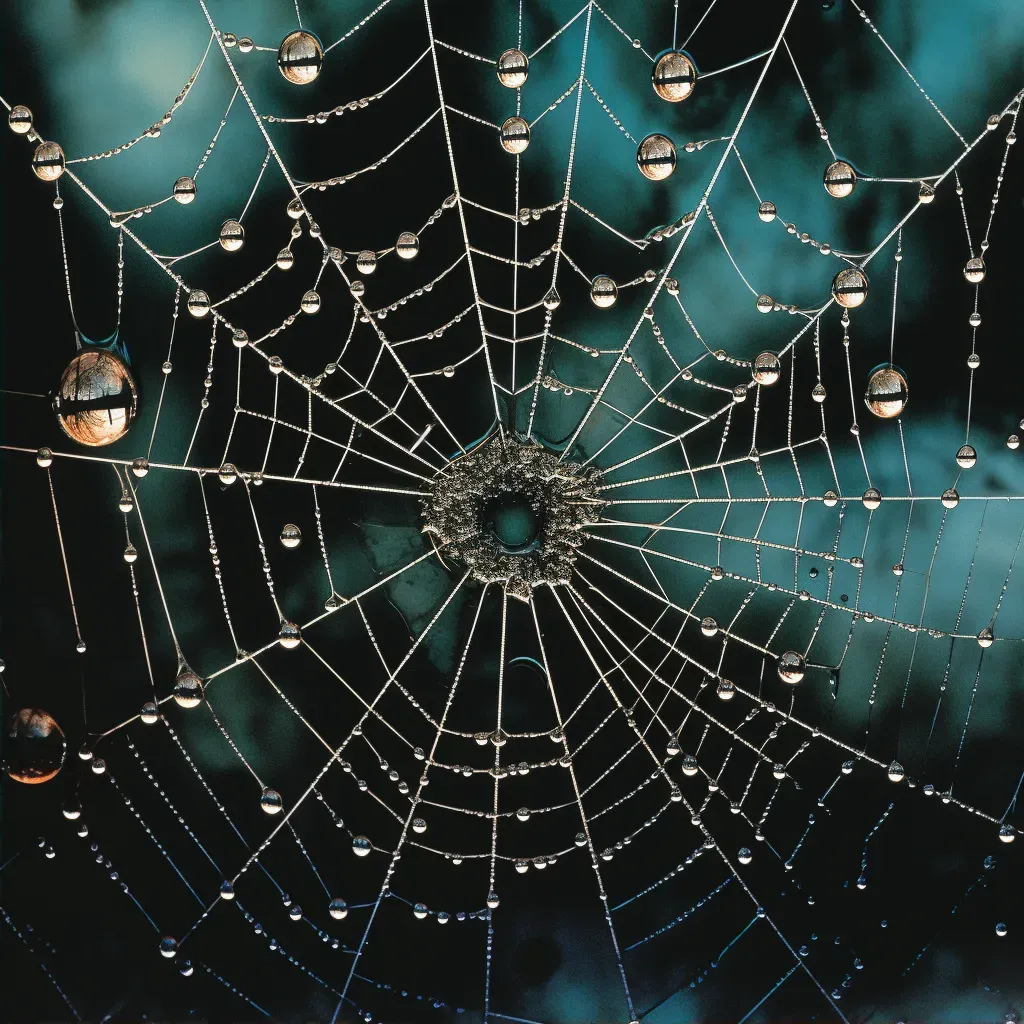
(514, 521)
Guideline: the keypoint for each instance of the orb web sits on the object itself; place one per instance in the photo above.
(520, 577)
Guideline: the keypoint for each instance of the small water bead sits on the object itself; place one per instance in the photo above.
(850, 287)
(443, 917)
(765, 303)
(295, 912)
(419, 826)
(717, 573)
(19, 120)
(366, 261)
(726, 689)
(887, 392)
(966, 456)
(895, 772)
(1007, 833)
(232, 236)
(674, 75)
(1013, 442)
(690, 766)
(361, 847)
(275, 364)
(125, 502)
(300, 57)
(295, 210)
(226, 891)
(130, 554)
(791, 667)
(839, 179)
(513, 68)
(493, 901)
(986, 637)
(188, 688)
(44, 458)
(150, 713)
(245, 44)
(925, 194)
(656, 157)
(950, 498)
(310, 303)
(818, 393)
(270, 801)
(974, 360)
(515, 135)
(198, 303)
(767, 212)
(767, 369)
(291, 536)
(58, 203)
(227, 474)
(289, 636)
(48, 161)
(974, 319)
(708, 626)
(184, 190)
(974, 270)
(34, 746)
(552, 300)
(871, 499)
(72, 810)
(603, 291)
(168, 946)
(1001, 929)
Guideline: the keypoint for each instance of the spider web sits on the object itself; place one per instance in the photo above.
(445, 747)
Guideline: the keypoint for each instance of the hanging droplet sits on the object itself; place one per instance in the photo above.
(198, 303)
(227, 474)
(603, 291)
(887, 392)
(140, 467)
(168, 946)
(291, 536)
(656, 157)
(925, 194)
(357, 289)
(408, 245)
(420, 911)
(150, 713)
(19, 120)
(513, 67)
(726, 689)
(523, 814)
(767, 369)
(974, 270)
(552, 300)
(34, 746)
(245, 44)
(184, 190)
(986, 637)
(271, 802)
(310, 303)
(674, 75)
(48, 161)
(300, 57)
(515, 135)
(765, 303)
(950, 498)
(1007, 833)
(72, 810)
(188, 688)
(744, 856)
(966, 456)
(840, 179)
(125, 502)
(227, 891)
(366, 261)
(871, 499)
(419, 826)
(361, 846)
(130, 554)
(689, 765)
(791, 667)
(818, 393)
(96, 400)
(289, 636)
(1001, 929)
(295, 210)
(895, 772)
(232, 236)
(830, 499)
(44, 458)
(850, 287)
(767, 212)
